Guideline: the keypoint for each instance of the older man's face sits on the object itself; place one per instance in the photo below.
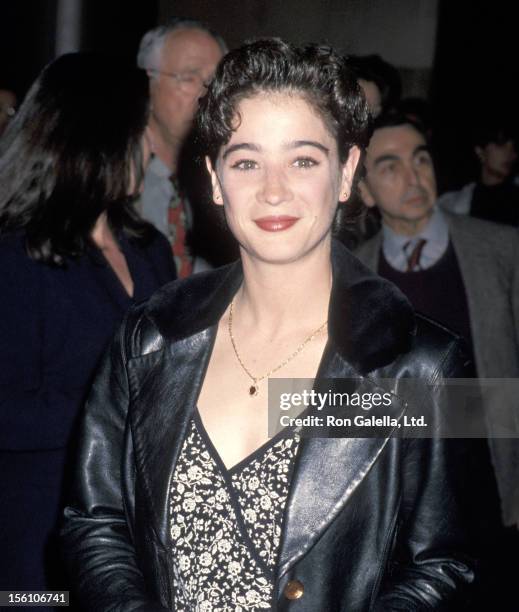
(187, 62)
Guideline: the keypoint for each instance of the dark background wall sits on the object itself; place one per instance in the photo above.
(475, 78)
(402, 31)
(27, 32)
(31, 30)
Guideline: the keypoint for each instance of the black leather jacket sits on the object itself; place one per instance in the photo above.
(371, 524)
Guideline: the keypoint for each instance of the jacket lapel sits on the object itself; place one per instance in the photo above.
(328, 470)
(165, 385)
(370, 323)
(475, 271)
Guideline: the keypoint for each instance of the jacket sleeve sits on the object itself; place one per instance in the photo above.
(430, 572)
(97, 535)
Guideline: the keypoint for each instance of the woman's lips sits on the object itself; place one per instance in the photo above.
(275, 224)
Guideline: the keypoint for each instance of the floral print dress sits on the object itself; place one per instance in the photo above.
(225, 524)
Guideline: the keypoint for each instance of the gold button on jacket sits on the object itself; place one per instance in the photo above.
(294, 589)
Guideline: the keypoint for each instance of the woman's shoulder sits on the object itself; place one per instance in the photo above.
(181, 309)
(14, 259)
(12, 245)
(22, 287)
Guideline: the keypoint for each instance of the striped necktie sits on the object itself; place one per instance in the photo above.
(178, 233)
(413, 258)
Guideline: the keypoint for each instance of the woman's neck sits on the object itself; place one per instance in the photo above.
(101, 234)
(293, 294)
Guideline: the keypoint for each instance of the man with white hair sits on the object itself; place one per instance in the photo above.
(179, 58)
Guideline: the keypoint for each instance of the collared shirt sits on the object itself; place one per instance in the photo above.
(156, 196)
(436, 233)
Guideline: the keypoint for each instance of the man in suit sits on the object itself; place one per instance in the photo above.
(460, 271)
(463, 272)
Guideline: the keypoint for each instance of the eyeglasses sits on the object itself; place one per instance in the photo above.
(188, 82)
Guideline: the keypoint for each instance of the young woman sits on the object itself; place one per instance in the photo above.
(73, 258)
(182, 501)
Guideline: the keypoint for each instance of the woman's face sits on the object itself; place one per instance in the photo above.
(280, 179)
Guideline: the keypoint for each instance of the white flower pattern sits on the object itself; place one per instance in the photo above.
(225, 525)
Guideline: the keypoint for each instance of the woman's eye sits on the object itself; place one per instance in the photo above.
(305, 162)
(245, 164)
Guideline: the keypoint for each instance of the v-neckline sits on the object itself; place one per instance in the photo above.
(242, 463)
(113, 273)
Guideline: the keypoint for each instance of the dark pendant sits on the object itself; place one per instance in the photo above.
(253, 390)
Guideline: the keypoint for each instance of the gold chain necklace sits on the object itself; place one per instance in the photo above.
(254, 389)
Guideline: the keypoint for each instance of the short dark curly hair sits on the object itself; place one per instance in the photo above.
(314, 72)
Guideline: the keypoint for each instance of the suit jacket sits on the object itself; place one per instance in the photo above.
(370, 524)
(488, 256)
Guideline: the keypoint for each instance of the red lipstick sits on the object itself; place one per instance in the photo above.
(275, 223)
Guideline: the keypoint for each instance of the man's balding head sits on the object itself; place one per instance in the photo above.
(180, 58)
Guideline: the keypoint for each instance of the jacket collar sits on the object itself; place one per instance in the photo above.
(370, 321)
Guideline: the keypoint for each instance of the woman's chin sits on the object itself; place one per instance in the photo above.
(283, 253)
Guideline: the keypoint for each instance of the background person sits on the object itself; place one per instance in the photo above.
(74, 256)
(463, 273)
(450, 267)
(181, 500)
(180, 59)
(382, 86)
(380, 82)
(495, 195)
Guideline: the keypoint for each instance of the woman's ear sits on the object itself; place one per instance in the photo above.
(348, 172)
(215, 183)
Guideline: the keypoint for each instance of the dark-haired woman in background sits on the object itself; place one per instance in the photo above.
(181, 501)
(73, 257)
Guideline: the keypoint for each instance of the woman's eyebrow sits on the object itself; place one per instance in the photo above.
(293, 144)
(239, 146)
(307, 143)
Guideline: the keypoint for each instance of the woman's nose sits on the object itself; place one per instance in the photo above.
(274, 189)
